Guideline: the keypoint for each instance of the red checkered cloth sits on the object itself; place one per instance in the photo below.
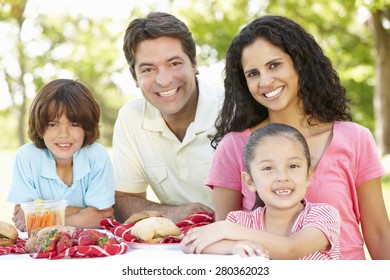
(17, 248)
(124, 230)
(91, 251)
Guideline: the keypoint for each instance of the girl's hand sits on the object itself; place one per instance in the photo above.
(249, 249)
(200, 237)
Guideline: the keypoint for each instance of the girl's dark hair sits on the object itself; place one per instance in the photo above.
(269, 130)
(155, 25)
(64, 96)
(324, 98)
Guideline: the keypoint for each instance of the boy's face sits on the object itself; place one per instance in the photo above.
(63, 138)
(166, 76)
(279, 172)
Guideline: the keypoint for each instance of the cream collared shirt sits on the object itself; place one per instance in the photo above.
(146, 153)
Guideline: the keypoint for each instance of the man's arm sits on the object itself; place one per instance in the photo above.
(127, 204)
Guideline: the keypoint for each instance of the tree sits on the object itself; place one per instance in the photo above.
(74, 47)
(13, 13)
(380, 17)
(339, 28)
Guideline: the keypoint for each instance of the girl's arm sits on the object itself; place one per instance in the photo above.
(227, 247)
(306, 241)
(374, 219)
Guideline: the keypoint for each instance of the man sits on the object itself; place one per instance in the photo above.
(161, 140)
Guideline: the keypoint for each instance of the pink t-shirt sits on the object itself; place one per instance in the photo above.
(322, 216)
(350, 160)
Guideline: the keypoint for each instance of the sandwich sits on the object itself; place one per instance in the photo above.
(8, 234)
(39, 235)
(154, 229)
(142, 215)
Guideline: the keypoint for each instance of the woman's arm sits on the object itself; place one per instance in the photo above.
(374, 219)
(225, 201)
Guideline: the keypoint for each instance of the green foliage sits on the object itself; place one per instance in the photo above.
(78, 48)
(346, 42)
(214, 24)
(334, 24)
(90, 49)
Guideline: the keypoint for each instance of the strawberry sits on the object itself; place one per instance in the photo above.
(89, 236)
(64, 242)
(49, 242)
(77, 233)
(106, 240)
(86, 240)
(95, 233)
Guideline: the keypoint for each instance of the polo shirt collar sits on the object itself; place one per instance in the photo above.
(80, 165)
(206, 111)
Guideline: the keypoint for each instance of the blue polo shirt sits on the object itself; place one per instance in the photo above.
(35, 177)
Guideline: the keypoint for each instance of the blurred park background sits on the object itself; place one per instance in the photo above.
(42, 40)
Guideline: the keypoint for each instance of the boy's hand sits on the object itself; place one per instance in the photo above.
(19, 219)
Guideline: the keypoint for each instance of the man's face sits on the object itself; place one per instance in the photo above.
(166, 76)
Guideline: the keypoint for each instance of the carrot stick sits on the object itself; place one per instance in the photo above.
(50, 219)
(44, 219)
(37, 223)
(30, 222)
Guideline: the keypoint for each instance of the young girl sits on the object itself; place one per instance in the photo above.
(277, 73)
(63, 162)
(278, 168)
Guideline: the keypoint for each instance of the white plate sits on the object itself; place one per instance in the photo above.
(161, 246)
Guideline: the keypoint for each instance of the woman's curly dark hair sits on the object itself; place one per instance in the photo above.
(324, 98)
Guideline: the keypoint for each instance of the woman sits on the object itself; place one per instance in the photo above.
(277, 73)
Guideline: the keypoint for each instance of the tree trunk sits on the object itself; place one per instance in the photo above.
(382, 82)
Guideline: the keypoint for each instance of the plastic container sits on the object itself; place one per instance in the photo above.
(44, 213)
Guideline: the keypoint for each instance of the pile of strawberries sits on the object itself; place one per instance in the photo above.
(58, 241)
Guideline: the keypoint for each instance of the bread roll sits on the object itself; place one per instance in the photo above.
(142, 215)
(8, 234)
(38, 235)
(152, 230)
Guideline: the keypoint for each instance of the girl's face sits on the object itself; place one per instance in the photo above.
(270, 75)
(63, 138)
(279, 172)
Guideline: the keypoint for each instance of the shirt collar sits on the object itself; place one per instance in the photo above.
(206, 111)
(80, 165)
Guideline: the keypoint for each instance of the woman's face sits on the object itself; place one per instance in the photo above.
(270, 75)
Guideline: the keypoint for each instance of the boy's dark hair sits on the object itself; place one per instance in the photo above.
(64, 96)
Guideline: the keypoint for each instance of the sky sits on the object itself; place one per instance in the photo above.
(118, 9)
